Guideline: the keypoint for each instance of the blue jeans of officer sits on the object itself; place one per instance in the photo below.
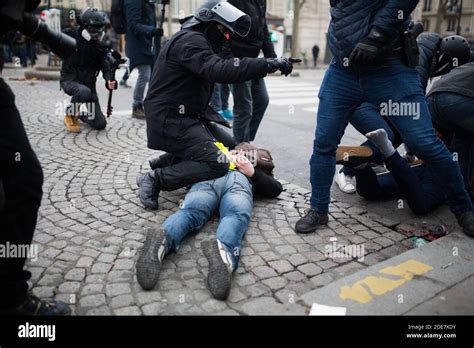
(343, 90)
(231, 196)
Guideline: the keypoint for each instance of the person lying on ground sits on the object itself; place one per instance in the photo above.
(232, 197)
(416, 184)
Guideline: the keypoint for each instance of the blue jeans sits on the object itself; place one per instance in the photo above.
(144, 73)
(455, 113)
(367, 119)
(250, 103)
(417, 185)
(230, 195)
(343, 90)
(220, 97)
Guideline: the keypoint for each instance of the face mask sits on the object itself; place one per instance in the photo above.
(216, 37)
(96, 35)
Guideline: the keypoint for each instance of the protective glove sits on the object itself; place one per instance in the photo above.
(370, 50)
(158, 32)
(283, 64)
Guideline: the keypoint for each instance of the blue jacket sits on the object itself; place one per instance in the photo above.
(141, 25)
(352, 20)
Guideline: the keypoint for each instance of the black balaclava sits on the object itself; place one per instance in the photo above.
(214, 35)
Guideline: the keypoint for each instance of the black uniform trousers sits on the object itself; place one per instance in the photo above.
(82, 94)
(195, 158)
(22, 179)
(217, 132)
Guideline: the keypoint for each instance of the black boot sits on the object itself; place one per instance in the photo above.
(220, 271)
(311, 222)
(150, 259)
(148, 190)
(466, 221)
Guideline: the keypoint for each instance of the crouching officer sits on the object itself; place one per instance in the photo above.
(176, 107)
(79, 72)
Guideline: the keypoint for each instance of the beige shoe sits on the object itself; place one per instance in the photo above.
(71, 123)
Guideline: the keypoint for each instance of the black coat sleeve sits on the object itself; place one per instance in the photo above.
(68, 68)
(197, 55)
(266, 185)
(428, 44)
(105, 65)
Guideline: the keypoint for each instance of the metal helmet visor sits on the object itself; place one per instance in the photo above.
(232, 18)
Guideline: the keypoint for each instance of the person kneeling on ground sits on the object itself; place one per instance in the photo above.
(416, 184)
(230, 195)
(79, 72)
(177, 108)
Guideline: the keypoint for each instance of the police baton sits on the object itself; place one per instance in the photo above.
(116, 60)
(159, 30)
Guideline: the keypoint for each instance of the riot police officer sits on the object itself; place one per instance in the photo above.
(176, 107)
(79, 72)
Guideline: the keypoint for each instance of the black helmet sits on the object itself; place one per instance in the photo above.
(92, 17)
(454, 51)
(223, 13)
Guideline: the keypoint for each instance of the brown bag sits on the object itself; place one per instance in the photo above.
(260, 158)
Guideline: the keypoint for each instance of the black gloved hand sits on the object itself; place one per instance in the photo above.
(369, 50)
(158, 32)
(285, 65)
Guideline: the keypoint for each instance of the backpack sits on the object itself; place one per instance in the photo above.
(261, 158)
(117, 17)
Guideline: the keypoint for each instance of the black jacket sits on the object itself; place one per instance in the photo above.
(259, 37)
(352, 20)
(183, 80)
(266, 185)
(459, 80)
(428, 44)
(85, 64)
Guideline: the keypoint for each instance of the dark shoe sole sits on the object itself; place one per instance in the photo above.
(219, 278)
(148, 264)
(353, 156)
(143, 201)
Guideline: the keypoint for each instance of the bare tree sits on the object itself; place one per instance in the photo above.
(295, 47)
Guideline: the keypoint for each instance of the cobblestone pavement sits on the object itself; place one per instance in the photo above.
(91, 226)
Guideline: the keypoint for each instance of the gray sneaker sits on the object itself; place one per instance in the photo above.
(150, 259)
(220, 269)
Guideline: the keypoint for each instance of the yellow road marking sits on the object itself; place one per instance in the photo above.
(381, 285)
